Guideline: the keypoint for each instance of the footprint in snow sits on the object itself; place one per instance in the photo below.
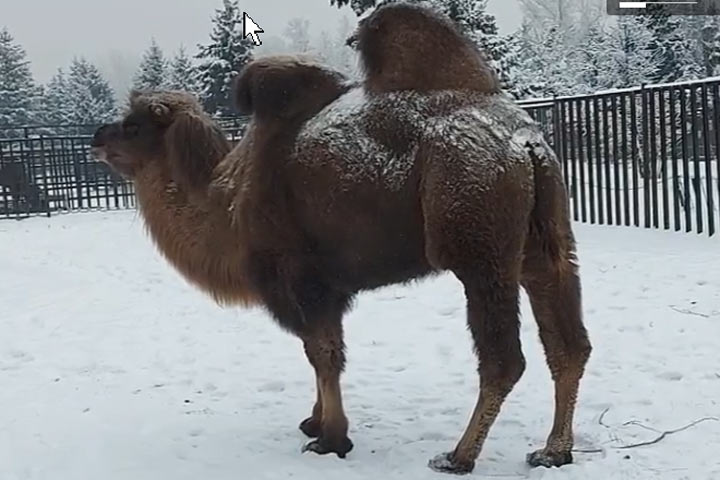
(274, 387)
(671, 376)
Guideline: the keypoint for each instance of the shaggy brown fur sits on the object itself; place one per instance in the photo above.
(373, 190)
(287, 88)
(409, 47)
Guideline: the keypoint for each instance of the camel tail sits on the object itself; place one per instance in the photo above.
(550, 227)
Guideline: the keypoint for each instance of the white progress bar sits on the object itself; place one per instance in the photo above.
(645, 4)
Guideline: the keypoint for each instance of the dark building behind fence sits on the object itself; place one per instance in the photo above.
(644, 157)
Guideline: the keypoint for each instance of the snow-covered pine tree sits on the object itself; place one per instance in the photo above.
(572, 18)
(90, 99)
(517, 63)
(297, 32)
(223, 58)
(715, 53)
(701, 47)
(593, 60)
(592, 54)
(183, 75)
(541, 66)
(671, 43)
(633, 60)
(358, 6)
(477, 23)
(19, 95)
(710, 45)
(55, 102)
(152, 74)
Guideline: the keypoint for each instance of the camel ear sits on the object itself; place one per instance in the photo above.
(160, 112)
(135, 93)
(194, 147)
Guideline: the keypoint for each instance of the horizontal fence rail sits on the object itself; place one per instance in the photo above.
(643, 157)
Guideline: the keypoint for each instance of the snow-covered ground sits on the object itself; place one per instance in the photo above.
(112, 367)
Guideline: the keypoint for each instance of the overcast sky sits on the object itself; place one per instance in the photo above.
(113, 33)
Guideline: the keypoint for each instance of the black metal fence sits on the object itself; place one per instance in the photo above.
(48, 169)
(644, 157)
(45, 175)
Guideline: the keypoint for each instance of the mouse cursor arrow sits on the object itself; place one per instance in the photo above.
(251, 29)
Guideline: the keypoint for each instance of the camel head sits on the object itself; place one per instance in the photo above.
(166, 130)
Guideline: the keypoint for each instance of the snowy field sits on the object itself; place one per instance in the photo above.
(112, 367)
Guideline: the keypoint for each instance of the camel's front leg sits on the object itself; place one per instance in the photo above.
(325, 349)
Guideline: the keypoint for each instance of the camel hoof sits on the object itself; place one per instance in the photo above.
(548, 459)
(311, 427)
(446, 463)
(324, 447)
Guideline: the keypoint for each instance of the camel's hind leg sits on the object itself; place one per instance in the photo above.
(476, 228)
(493, 319)
(550, 276)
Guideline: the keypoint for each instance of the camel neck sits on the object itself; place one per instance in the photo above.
(194, 232)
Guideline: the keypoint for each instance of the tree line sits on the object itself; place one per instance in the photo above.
(563, 47)
(80, 95)
(572, 47)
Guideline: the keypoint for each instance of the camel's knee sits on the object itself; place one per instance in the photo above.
(580, 350)
(567, 356)
(325, 355)
(502, 370)
(493, 317)
(324, 346)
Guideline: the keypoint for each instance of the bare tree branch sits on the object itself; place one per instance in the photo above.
(688, 312)
(602, 416)
(635, 423)
(658, 439)
(668, 433)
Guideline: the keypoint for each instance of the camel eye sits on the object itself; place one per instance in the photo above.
(131, 129)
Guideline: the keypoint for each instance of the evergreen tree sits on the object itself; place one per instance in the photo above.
(710, 45)
(297, 32)
(90, 99)
(593, 61)
(702, 45)
(634, 62)
(56, 104)
(183, 75)
(358, 6)
(480, 26)
(153, 71)
(676, 51)
(541, 66)
(223, 58)
(714, 58)
(18, 93)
